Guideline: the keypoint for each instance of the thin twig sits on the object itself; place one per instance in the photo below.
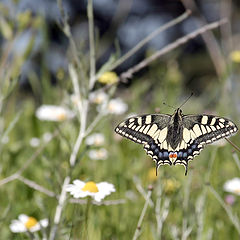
(129, 73)
(237, 161)
(59, 209)
(91, 44)
(161, 210)
(67, 31)
(138, 229)
(93, 124)
(27, 163)
(36, 186)
(209, 39)
(76, 88)
(141, 190)
(81, 134)
(226, 31)
(73, 157)
(72, 161)
(9, 179)
(234, 145)
(200, 204)
(233, 218)
(149, 38)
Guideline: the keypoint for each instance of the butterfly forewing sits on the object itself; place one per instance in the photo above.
(205, 129)
(142, 129)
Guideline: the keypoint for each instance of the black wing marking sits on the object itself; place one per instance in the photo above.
(142, 129)
(199, 130)
(151, 131)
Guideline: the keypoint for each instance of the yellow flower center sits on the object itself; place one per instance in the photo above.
(101, 153)
(90, 187)
(235, 56)
(171, 185)
(108, 78)
(31, 222)
(61, 116)
(98, 100)
(111, 107)
(237, 190)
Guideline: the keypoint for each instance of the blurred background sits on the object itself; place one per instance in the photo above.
(34, 69)
(121, 25)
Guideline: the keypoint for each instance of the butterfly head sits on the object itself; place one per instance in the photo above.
(179, 112)
(177, 116)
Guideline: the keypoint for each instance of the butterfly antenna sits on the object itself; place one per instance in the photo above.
(168, 105)
(186, 100)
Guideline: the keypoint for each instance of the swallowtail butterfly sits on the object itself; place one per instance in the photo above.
(175, 139)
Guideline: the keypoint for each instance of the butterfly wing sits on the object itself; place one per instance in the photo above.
(199, 130)
(151, 131)
(158, 136)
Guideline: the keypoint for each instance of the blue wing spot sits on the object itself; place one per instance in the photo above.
(153, 146)
(184, 155)
(165, 155)
(194, 146)
(160, 155)
(180, 154)
(156, 151)
(189, 151)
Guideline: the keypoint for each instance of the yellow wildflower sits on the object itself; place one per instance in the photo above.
(108, 78)
(171, 185)
(152, 175)
(235, 56)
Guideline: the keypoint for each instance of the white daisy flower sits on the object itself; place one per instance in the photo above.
(232, 186)
(5, 139)
(98, 97)
(98, 154)
(97, 191)
(96, 139)
(114, 106)
(34, 142)
(54, 113)
(47, 137)
(74, 100)
(117, 106)
(25, 223)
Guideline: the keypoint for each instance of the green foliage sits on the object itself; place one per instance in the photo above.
(125, 161)
(179, 204)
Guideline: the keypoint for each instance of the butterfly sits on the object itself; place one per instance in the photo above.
(175, 139)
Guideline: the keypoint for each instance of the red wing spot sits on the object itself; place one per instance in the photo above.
(171, 155)
(174, 155)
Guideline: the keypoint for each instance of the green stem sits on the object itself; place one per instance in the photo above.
(85, 225)
(138, 229)
(91, 44)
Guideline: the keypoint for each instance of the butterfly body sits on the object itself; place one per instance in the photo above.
(175, 139)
